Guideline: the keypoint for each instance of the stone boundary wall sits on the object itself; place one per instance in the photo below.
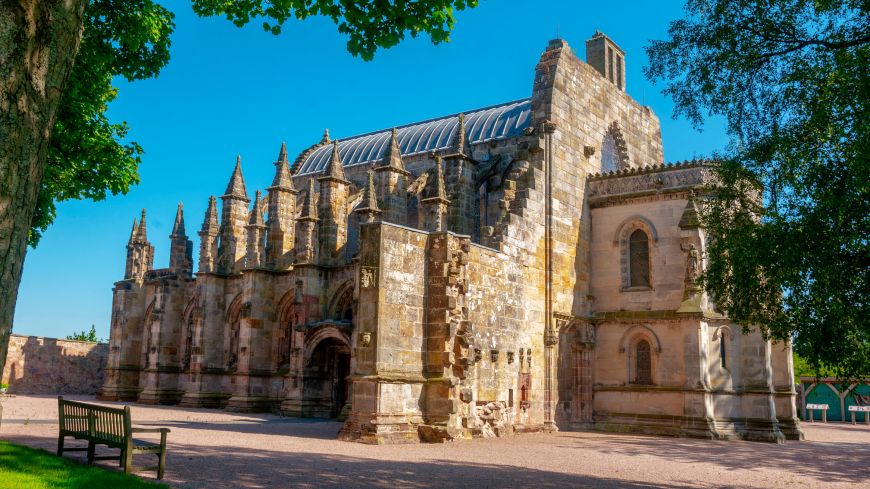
(38, 365)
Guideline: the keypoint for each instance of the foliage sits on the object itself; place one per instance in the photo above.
(789, 216)
(369, 25)
(802, 368)
(28, 468)
(85, 335)
(87, 155)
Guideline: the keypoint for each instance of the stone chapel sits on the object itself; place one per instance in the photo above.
(528, 266)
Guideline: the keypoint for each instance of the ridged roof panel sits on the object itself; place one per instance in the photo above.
(487, 124)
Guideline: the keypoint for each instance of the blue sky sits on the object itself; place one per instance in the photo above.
(230, 91)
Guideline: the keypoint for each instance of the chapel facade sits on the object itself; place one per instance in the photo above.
(521, 267)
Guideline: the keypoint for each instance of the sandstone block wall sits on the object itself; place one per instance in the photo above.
(38, 365)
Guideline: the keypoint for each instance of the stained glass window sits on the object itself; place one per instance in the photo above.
(638, 253)
(643, 363)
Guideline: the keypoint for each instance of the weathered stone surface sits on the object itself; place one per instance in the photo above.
(37, 365)
(532, 282)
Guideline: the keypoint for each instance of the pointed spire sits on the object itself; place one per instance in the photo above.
(325, 139)
(282, 180)
(143, 229)
(690, 219)
(309, 210)
(437, 189)
(461, 145)
(236, 187)
(256, 218)
(369, 201)
(210, 223)
(393, 158)
(135, 232)
(334, 169)
(282, 154)
(178, 227)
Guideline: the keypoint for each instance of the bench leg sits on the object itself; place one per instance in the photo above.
(60, 440)
(853, 417)
(824, 416)
(121, 459)
(91, 449)
(161, 463)
(128, 461)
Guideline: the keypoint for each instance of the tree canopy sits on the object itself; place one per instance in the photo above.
(788, 218)
(89, 155)
(85, 335)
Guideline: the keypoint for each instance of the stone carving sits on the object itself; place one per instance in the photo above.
(693, 266)
(649, 179)
(368, 277)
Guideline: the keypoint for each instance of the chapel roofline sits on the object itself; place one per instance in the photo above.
(515, 112)
(662, 167)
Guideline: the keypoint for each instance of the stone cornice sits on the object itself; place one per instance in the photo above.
(649, 180)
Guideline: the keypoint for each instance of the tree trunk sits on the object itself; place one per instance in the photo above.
(38, 43)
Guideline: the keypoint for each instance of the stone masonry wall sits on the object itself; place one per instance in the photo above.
(37, 365)
(585, 107)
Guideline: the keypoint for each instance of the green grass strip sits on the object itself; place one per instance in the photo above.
(29, 468)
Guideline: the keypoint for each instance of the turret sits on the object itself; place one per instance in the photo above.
(282, 215)
(460, 174)
(392, 188)
(181, 248)
(256, 230)
(435, 203)
(140, 253)
(234, 217)
(333, 210)
(368, 209)
(208, 239)
(305, 250)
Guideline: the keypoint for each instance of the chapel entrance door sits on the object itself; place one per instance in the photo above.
(581, 369)
(326, 372)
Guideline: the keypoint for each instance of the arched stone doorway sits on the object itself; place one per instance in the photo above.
(576, 356)
(326, 388)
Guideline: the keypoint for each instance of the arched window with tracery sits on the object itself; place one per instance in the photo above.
(638, 261)
(614, 154)
(642, 363)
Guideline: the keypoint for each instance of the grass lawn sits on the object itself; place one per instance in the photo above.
(28, 468)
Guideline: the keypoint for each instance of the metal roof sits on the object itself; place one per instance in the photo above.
(489, 123)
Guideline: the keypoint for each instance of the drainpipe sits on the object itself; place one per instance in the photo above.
(551, 336)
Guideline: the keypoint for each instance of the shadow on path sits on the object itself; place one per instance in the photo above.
(830, 461)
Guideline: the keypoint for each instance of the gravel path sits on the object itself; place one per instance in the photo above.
(216, 449)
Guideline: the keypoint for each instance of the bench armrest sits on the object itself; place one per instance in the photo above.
(150, 430)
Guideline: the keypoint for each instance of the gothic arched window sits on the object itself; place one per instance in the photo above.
(614, 152)
(609, 156)
(642, 363)
(638, 260)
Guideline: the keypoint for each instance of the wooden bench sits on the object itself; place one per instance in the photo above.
(860, 409)
(101, 425)
(820, 407)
